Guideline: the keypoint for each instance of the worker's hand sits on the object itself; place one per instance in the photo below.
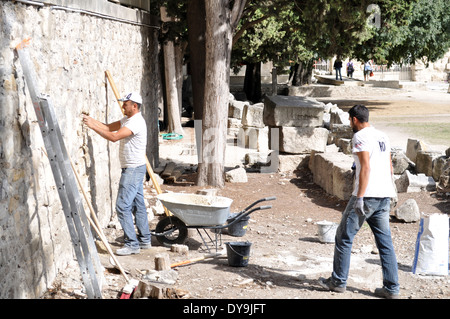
(359, 206)
(88, 121)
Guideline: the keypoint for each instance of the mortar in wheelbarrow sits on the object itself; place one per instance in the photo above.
(197, 210)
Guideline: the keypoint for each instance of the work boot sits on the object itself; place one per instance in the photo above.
(383, 293)
(125, 251)
(328, 284)
(145, 245)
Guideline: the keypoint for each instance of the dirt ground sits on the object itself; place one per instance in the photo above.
(286, 255)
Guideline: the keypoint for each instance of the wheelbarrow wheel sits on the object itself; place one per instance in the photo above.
(179, 231)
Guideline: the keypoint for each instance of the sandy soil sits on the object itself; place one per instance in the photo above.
(286, 255)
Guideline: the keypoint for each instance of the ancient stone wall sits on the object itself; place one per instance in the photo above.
(71, 51)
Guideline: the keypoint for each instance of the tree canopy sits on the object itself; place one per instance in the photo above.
(410, 31)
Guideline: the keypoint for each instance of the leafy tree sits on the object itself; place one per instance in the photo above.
(298, 32)
(410, 31)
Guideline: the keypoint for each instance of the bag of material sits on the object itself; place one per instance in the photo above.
(431, 256)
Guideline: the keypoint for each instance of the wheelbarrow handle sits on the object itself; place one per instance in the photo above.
(245, 214)
(258, 201)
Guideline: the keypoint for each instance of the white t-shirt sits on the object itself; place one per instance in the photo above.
(132, 148)
(377, 144)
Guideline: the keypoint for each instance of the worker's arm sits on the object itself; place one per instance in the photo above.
(364, 160)
(112, 132)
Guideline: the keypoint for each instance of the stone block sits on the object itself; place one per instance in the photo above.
(342, 179)
(345, 145)
(413, 146)
(234, 123)
(301, 140)
(260, 158)
(443, 185)
(291, 163)
(400, 162)
(296, 111)
(408, 211)
(332, 172)
(439, 165)
(410, 183)
(252, 115)
(424, 162)
(235, 109)
(338, 131)
(254, 138)
(237, 175)
(338, 116)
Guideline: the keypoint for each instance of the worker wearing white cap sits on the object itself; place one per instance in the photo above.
(131, 131)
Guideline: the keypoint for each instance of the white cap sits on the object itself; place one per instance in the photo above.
(133, 96)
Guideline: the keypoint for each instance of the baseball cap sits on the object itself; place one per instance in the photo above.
(133, 96)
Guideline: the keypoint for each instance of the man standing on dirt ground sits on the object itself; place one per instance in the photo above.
(370, 201)
(131, 131)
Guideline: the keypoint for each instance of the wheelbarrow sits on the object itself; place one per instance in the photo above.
(199, 212)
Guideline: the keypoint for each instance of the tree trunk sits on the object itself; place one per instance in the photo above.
(197, 50)
(302, 73)
(215, 110)
(252, 82)
(179, 59)
(172, 95)
(172, 99)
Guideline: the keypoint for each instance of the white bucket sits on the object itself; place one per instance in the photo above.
(327, 231)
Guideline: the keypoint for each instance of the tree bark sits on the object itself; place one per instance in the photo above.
(215, 110)
(252, 82)
(220, 25)
(172, 95)
(197, 50)
(172, 98)
(302, 73)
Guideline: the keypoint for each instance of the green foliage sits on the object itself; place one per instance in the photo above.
(292, 31)
(302, 30)
(410, 30)
(428, 33)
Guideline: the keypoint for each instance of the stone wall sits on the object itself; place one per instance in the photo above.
(436, 71)
(71, 51)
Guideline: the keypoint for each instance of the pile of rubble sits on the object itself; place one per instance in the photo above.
(297, 131)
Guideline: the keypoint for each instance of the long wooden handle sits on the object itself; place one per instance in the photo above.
(95, 225)
(207, 256)
(149, 167)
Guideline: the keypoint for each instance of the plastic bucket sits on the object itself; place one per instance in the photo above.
(326, 231)
(238, 253)
(239, 228)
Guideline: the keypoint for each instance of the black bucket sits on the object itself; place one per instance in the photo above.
(238, 253)
(239, 228)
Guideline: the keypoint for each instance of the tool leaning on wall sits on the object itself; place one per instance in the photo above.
(149, 167)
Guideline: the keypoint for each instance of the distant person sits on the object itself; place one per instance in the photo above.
(370, 202)
(131, 131)
(350, 69)
(338, 66)
(367, 70)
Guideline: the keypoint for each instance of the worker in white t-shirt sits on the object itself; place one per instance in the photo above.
(131, 131)
(370, 202)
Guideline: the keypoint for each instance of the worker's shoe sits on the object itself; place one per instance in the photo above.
(145, 246)
(383, 293)
(328, 285)
(125, 251)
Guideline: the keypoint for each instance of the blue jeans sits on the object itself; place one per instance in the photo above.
(338, 70)
(130, 201)
(377, 216)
